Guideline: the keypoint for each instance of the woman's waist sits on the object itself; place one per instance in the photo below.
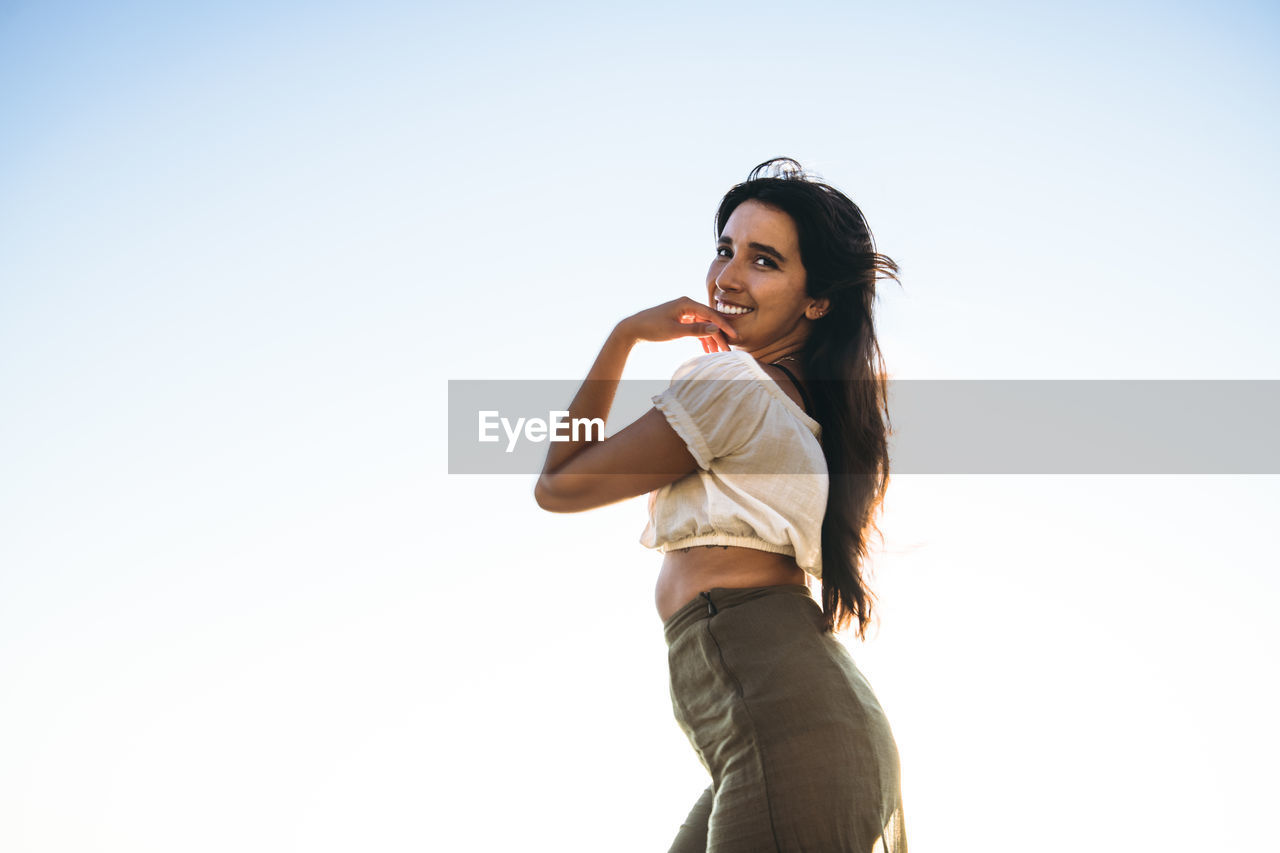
(689, 571)
(789, 609)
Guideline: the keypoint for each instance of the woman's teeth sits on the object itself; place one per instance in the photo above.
(732, 309)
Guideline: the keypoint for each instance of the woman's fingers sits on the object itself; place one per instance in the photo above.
(679, 318)
(712, 338)
(714, 342)
(703, 314)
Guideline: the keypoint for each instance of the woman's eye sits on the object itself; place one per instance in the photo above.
(768, 262)
(722, 251)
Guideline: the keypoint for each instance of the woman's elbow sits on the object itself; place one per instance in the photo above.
(549, 497)
(571, 492)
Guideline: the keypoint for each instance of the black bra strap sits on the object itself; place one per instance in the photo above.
(799, 387)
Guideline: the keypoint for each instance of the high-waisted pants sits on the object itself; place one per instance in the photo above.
(799, 751)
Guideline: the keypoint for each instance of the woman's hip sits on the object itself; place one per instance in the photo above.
(799, 751)
(756, 681)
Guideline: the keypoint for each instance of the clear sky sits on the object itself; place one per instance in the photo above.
(244, 246)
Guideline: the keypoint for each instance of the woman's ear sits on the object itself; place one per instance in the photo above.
(818, 308)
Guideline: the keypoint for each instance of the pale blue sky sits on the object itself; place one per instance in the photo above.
(243, 247)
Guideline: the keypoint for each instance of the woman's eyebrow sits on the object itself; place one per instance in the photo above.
(768, 250)
(759, 247)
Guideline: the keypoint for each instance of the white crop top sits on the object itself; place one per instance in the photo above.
(762, 478)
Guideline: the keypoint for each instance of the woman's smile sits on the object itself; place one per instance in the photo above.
(731, 309)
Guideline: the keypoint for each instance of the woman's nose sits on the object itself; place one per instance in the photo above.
(729, 278)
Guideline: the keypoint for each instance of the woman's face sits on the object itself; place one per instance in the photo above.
(757, 268)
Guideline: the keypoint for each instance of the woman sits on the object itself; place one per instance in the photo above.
(766, 459)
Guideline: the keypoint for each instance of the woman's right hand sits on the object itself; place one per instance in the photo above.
(680, 318)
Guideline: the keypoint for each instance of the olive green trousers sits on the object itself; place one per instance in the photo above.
(800, 754)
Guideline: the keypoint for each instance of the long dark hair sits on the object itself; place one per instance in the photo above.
(843, 366)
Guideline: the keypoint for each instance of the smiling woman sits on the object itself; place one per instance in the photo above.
(762, 476)
(757, 279)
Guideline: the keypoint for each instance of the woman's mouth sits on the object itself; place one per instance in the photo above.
(732, 310)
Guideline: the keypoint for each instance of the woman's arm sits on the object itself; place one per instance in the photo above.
(648, 454)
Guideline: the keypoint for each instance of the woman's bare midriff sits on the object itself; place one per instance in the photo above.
(690, 571)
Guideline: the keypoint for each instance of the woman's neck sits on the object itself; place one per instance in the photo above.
(793, 352)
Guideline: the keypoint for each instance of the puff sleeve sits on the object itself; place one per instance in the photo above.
(714, 404)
